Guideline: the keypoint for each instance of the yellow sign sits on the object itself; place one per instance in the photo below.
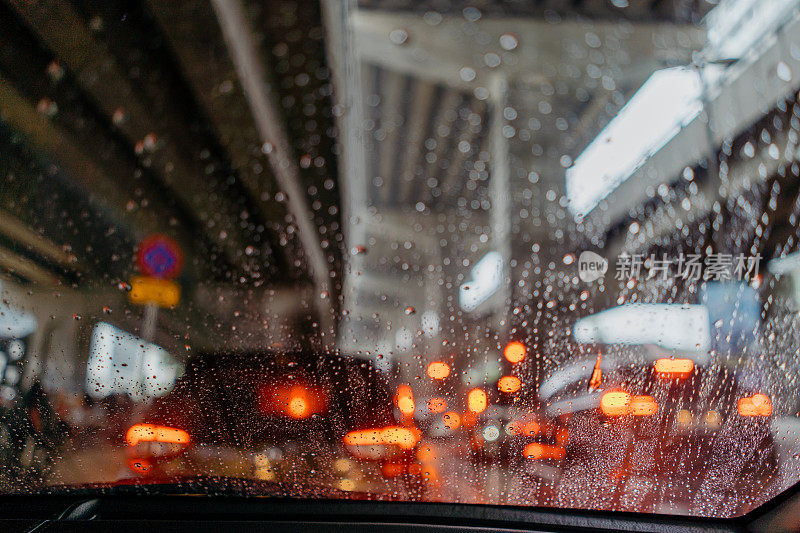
(161, 292)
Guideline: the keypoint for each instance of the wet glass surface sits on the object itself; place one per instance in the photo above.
(540, 254)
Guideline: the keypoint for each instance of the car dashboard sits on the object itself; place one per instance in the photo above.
(136, 511)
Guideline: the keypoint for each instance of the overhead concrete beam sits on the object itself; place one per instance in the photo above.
(438, 53)
(750, 89)
(252, 75)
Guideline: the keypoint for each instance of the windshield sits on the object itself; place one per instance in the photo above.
(525, 253)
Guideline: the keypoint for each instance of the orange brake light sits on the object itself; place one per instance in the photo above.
(298, 406)
(756, 405)
(405, 438)
(618, 403)
(477, 401)
(438, 370)
(452, 420)
(405, 400)
(509, 384)
(674, 368)
(643, 406)
(364, 437)
(615, 403)
(153, 433)
(514, 352)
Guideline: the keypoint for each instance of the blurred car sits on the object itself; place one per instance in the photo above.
(517, 435)
(668, 436)
(273, 417)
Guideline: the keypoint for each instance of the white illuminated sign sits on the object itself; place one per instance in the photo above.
(487, 275)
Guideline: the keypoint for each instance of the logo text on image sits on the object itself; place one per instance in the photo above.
(591, 266)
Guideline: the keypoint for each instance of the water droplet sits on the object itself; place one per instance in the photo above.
(119, 117)
(398, 36)
(783, 72)
(509, 41)
(55, 71)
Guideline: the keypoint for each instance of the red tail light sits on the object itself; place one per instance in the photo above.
(535, 451)
(140, 466)
(390, 470)
(298, 400)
